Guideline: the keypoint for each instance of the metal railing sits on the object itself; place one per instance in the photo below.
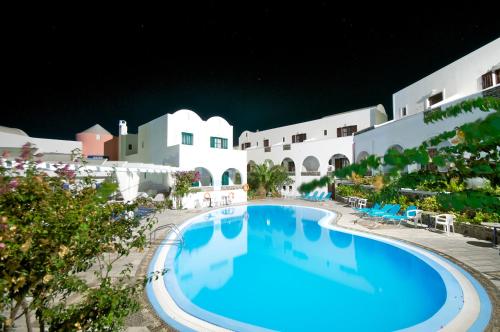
(179, 240)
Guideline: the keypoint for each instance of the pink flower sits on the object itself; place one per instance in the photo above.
(25, 154)
(2, 245)
(13, 183)
(20, 167)
(5, 154)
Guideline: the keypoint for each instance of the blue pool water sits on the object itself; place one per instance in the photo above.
(276, 268)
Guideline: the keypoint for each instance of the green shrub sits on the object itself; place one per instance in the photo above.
(428, 204)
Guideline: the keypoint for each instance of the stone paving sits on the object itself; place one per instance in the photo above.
(481, 259)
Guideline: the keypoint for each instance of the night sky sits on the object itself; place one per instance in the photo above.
(258, 66)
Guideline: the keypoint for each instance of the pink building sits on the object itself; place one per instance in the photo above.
(97, 142)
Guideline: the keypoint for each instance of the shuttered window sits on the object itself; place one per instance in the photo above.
(299, 138)
(436, 98)
(187, 138)
(218, 142)
(346, 131)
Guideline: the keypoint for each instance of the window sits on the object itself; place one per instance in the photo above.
(142, 144)
(283, 140)
(218, 142)
(187, 138)
(325, 132)
(432, 100)
(98, 137)
(130, 146)
(403, 111)
(298, 138)
(497, 75)
(346, 131)
(487, 80)
(266, 143)
(245, 145)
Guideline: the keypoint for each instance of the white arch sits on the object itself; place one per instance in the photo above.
(338, 161)
(231, 176)
(269, 162)
(187, 115)
(361, 156)
(218, 121)
(289, 164)
(206, 178)
(310, 164)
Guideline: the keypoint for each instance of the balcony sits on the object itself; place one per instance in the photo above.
(267, 149)
(310, 173)
(287, 147)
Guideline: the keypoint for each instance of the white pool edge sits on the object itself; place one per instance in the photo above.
(467, 317)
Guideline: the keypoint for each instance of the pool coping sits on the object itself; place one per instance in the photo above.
(490, 289)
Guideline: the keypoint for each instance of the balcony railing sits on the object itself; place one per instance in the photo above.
(287, 147)
(267, 149)
(310, 173)
(291, 173)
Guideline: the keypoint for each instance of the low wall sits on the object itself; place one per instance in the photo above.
(213, 198)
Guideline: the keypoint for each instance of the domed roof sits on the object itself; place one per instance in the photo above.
(15, 131)
(96, 129)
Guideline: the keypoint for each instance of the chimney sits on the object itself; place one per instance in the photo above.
(122, 127)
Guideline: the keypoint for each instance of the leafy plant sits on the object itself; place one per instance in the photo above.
(474, 154)
(54, 227)
(183, 185)
(267, 179)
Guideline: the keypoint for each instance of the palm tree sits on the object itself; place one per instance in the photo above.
(267, 179)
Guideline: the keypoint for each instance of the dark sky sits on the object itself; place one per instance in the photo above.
(259, 66)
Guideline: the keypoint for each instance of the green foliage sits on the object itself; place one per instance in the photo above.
(484, 104)
(183, 185)
(264, 179)
(473, 154)
(316, 183)
(352, 190)
(50, 235)
(429, 203)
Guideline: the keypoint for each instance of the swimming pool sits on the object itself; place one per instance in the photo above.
(284, 268)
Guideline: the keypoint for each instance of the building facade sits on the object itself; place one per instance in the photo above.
(476, 74)
(184, 140)
(310, 149)
(98, 143)
(13, 139)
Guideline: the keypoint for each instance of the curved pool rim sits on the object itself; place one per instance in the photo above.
(473, 316)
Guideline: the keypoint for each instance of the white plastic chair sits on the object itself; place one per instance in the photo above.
(352, 201)
(415, 216)
(446, 220)
(362, 202)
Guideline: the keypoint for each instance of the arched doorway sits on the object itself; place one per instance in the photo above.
(269, 163)
(205, 177)
(250, 165)
(399, 149)
(231, 177)
(289, 165)
(337, 161)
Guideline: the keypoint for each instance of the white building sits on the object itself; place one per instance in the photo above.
(13, 139)
(310, 149)
(476, 74)
(184, 140)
